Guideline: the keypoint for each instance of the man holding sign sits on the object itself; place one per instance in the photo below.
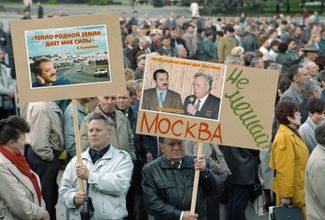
(106, 170)
(168, 181)
(202, 104)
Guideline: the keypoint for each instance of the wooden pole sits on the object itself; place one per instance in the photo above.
(196, 180)
(77, 140)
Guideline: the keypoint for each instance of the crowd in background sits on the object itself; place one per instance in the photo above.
(294, 48)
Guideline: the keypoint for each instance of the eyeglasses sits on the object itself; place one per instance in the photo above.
(297, 114)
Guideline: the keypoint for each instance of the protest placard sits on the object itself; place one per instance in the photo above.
(68, 57)
(237, 109)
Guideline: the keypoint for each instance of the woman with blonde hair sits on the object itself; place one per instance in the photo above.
(237, 51)
(314, 39)
(129, 74)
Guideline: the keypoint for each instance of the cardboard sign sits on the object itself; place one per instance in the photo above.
(238, 114)
(68, 57)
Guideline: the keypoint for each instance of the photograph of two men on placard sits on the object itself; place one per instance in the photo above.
(183, 89)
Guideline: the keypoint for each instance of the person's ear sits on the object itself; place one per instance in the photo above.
(290, 118)
(295, 77)
(161, 148)
(11, 142)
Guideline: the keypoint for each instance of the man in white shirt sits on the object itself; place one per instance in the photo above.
(202, 104)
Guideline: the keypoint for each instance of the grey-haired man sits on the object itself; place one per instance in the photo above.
(202, 104)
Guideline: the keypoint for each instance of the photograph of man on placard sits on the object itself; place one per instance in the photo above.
(77, 55)
(183, 87)
(68, 57)
(202, 103)
(161, 98)
(46, 75)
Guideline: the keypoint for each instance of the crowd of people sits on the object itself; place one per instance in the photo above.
(131, 176)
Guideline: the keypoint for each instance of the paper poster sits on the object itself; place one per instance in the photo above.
(207, 102)
(68, 57)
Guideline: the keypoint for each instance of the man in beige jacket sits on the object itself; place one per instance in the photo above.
(46, 140)
(226, 44)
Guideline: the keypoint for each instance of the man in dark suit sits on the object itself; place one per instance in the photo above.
(161, 98)
(202, 104)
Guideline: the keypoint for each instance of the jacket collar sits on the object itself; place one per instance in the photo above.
(298, 141)
(188, 162)
(108, 155)
(80, 108)
(98, 109)
(286, 129)
(53, 106)
(129, 113)
(296, 93)
(311, 123)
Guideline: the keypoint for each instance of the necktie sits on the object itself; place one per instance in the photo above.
(197, 106)
(161, 100)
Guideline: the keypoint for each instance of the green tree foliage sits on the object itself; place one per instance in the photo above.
(98, 2)
(52, 2)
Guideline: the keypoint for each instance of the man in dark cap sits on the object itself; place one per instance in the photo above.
(310, 53)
